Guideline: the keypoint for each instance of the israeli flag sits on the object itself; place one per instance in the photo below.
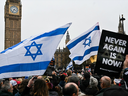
(85, 45)
(70, 65)
(31, 56)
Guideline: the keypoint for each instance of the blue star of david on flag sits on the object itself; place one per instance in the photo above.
(33, 55)
(87, 41)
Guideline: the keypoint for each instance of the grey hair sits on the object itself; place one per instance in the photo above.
(6, 86)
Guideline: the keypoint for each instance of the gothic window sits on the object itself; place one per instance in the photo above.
(15, 24)
(11, 23)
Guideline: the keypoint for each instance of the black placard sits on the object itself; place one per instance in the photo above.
(111, 53)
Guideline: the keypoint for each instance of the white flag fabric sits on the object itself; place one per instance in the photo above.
(70, 65)
(85, 45)
(31, 56)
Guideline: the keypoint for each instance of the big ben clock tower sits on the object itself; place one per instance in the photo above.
(12, 22)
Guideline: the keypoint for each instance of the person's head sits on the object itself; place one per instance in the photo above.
(105, 82)
(62, 77)
(40, 88)
(22, 85)
(40, 77)
(69, 72)
(74, 79)
(86, 75)
(10, 79)
(70, 89)
(14, 84)
(7, 86)
(53, 73)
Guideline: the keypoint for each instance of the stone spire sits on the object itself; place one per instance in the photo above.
(67, 38)
(121, 25)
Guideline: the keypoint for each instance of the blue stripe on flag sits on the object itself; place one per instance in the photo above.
(24, 67)
(71, 45)
(52, 33)
(69, 66)
(88, 51)
(10, 48)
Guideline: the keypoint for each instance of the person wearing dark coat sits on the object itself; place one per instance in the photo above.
(85, 82)
(6, 89)
(105, 83)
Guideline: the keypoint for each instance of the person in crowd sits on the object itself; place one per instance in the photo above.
(6, 89)
(74, 73)
(70, 89)
(1, 83)
(85, 82)
(105, 83)
(20, 79)
(69, 73)
(76, 80)
(39, 88)
(15, 86)
(10, 78)
(39, 77)
(115, 91)
(21, 87)
(51, 91)
(92, 88)
(62, 82)
(54, 79)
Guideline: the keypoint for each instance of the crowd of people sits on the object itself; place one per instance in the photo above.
(67, 83)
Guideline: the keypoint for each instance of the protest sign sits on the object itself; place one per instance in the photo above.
(111, 53)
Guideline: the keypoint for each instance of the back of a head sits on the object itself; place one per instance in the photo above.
(93, 82)
(6, 86)
(74, 79)
(69, 72)
(40, 88)
(70, 89)
(86, 75)
(115, 91)
(106, 81)
(22, 85)
(62, 77)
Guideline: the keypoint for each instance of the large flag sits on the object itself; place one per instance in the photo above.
(85, 45)
(31, 56)
(70, 65)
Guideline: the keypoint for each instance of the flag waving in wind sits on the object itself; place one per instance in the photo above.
(85, 45)
(70, 65)
(31, 56)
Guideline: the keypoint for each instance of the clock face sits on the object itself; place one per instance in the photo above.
(13, 9)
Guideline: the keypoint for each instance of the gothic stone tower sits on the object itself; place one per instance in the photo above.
(12, 22)
(121, 25)
(67, 38)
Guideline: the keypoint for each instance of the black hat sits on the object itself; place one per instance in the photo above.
(115, 91)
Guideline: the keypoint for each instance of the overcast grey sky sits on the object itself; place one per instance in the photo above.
(45, 15)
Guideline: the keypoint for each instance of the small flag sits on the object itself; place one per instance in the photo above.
(85, 45)
(31, 56)
(70, 65)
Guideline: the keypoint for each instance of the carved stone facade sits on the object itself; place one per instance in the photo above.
(62, 55)
(12, 22)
